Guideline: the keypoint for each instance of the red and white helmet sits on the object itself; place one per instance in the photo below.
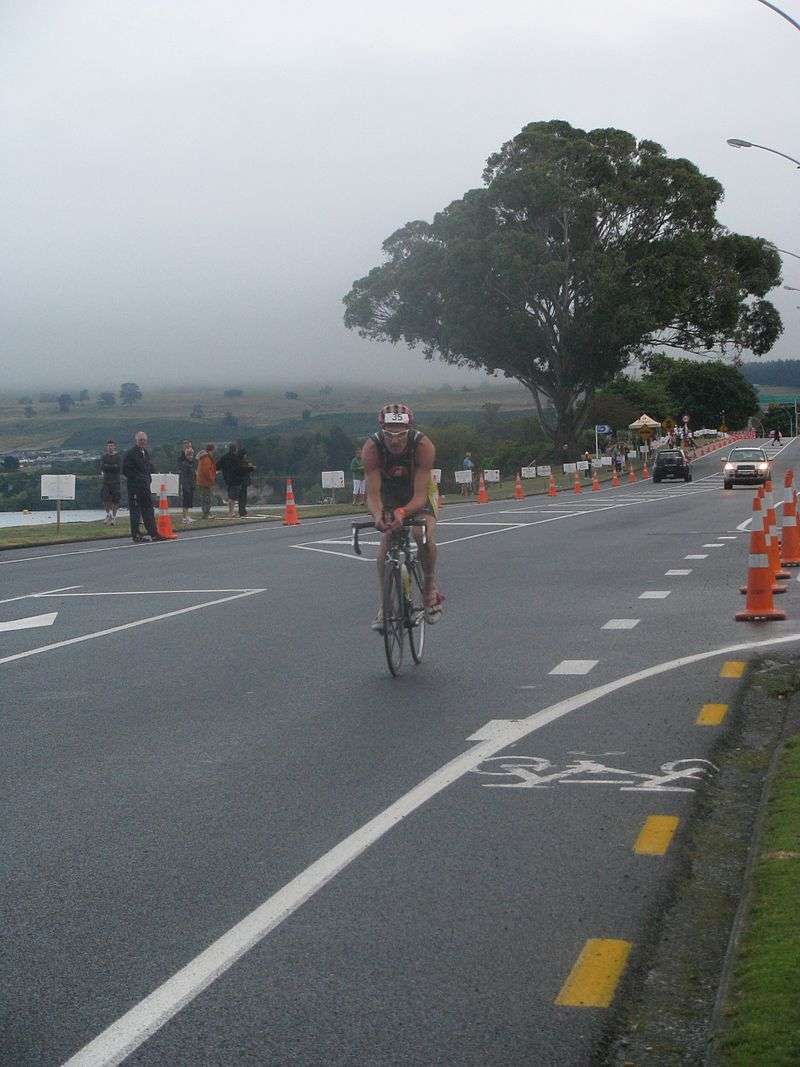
(396, 416)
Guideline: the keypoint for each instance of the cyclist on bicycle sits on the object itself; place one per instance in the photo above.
(397, 464)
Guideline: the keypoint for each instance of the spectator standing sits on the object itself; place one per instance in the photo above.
(357, 474)
(137, 466)
(467, 465)
(111, 490)
(206, 476)
(246, 469)
(187, 468)
(229, 469)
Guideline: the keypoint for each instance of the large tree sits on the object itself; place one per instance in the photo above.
(581, 252)
(709, 393)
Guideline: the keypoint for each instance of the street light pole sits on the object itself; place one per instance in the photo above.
(737, 142)
(777, 10)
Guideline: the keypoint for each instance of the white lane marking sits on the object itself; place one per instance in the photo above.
(30, 623)
(621, 624)
(490, 730)
(574, 666)
(331, 552)
(697, 556)
(125, 626)
(727, 537)
(138, 592)
(742, 527)
(133, 1028)
(452, 522)
(713, 544)
(46, 592)
(678, 572)
(655, 594)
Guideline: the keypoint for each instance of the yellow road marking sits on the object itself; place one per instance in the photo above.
(711, 714)
(656, 835)
(593, 980)
(732, 668)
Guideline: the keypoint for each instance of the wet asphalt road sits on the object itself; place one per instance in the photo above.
(167, 778)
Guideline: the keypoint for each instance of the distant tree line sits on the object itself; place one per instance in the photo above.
(773, 372)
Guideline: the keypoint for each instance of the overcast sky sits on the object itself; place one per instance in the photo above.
(189, 188)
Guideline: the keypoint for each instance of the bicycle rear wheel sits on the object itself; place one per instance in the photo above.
(415, 609)
(393, 617)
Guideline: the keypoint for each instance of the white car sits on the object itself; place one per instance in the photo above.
(746, 466)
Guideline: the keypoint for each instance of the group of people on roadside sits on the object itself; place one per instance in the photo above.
(197, 473)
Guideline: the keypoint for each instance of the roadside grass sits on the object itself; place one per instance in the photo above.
(763, 1010)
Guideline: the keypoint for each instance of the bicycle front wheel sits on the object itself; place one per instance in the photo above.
(393, 617)
(415, 611)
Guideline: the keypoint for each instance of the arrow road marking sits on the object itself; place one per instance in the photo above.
(30, 623)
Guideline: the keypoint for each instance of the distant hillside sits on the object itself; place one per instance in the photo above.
(773, 372)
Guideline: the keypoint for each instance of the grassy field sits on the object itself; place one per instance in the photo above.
(168, 412)
(763, 1012)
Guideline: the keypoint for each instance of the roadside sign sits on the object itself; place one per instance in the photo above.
(463, 477)
(491, 476)
(333, 479)
(528, 472)
(436, 474)
(602, 428)
(685, 418)
(582, 464)
(58, 487)
(169, 481)
(544, 472)
(570, 468)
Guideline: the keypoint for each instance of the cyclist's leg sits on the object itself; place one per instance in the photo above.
(427, 555)
(384, 545)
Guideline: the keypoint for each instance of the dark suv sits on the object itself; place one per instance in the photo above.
(672, 463)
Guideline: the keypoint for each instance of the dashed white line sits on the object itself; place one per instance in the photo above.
(621, 624)
(655, 594)
(678, 572)
(713, 544)
(697, 556)
(575, 666)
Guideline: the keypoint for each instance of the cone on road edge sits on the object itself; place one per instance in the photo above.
(552, 489)
(645, 472)
(519, 492)
(483, 496)
(773, 539)
(164, 523)
(760, 606)
(577, 487)
(595, 482)
(790, 554)
(615, 482)
(760, 522)
(290, 515)
(631, 475)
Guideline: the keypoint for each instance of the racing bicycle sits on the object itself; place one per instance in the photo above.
(403, 593)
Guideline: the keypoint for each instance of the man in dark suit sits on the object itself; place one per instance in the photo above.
(137, 466)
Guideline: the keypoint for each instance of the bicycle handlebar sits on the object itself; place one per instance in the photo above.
(412, 521)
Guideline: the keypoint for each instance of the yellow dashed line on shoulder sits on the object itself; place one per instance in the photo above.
(593, 980)
(656, 835)
(733, 668)
(711, 714)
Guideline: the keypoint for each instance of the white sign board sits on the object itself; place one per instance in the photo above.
(491, 476)
(528, 472)
(58, 487)
(582, 464)
(170, 481)
(606, 461)
(436, 474)
(643, 450)
(464, 477)
(631, 455)
(570, 468)
(333, 479)
(597, 464)
(544, 472)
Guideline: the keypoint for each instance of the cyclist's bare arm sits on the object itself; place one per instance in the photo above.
(426, 455)
(372, 476)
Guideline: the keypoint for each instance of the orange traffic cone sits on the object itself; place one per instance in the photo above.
(164, 523)
(615, 483)
(645, 471)
(774, 542)
(760, 519)
(790, 554)
(290, 516)
(483, 496)
(760, 606)
(595, 482)
(631, 475)
(519, 492)
(577, 487)
(552, 489)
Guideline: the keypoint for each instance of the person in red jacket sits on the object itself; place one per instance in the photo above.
(206, 478)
